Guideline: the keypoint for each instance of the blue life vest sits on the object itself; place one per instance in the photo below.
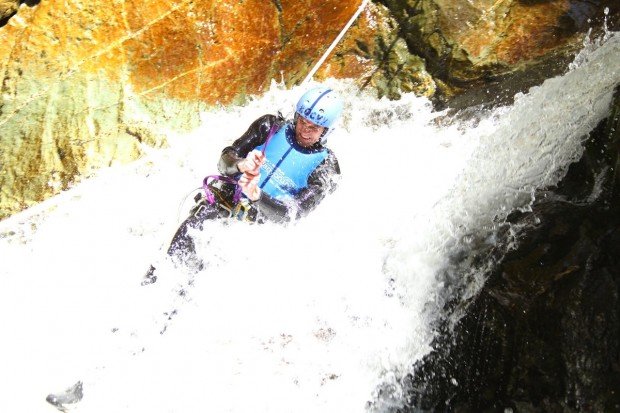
(288, 165)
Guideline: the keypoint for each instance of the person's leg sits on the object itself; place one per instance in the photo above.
(182, 248)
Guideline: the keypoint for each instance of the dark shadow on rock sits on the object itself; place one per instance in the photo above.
(5, 20)
(29, 3)
(544, 332)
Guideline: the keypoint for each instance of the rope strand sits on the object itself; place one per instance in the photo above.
(335, 42)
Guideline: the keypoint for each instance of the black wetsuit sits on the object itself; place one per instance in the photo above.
(321, 181)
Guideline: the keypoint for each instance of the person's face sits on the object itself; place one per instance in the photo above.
(307, 133)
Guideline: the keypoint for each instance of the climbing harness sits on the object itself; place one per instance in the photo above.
(221, 178)
(230, 180)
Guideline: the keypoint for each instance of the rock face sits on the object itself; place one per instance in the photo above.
(544, 333)
(486, 50)
(376, 56)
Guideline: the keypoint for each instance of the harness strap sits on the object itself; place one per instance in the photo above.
(229, 180)
(222, 178)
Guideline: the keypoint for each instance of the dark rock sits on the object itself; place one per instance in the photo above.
(8, 8)
(544, 332)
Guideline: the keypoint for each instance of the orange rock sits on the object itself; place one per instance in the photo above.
(354, 57)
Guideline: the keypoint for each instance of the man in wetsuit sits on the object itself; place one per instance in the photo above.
(283, 170)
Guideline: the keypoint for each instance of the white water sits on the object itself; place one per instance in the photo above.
(312, 317)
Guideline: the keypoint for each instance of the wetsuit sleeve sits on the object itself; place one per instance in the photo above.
(322, 181)
(255, 135)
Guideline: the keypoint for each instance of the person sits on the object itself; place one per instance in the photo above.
(277, 171)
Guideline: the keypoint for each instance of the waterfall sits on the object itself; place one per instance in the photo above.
(315, 316)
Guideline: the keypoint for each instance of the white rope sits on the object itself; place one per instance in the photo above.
(182, 205)
(335, 42)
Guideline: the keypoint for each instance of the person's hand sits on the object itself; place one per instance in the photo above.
(252, 163)
(249, 186)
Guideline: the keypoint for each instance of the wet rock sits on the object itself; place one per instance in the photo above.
(481, 51)
(544, 332)
(377, 57)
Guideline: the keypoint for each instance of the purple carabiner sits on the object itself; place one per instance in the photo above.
(226, 179)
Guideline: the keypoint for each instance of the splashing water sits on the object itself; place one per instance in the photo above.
(311, 317)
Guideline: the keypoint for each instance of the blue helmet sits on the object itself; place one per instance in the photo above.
(321, 106)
